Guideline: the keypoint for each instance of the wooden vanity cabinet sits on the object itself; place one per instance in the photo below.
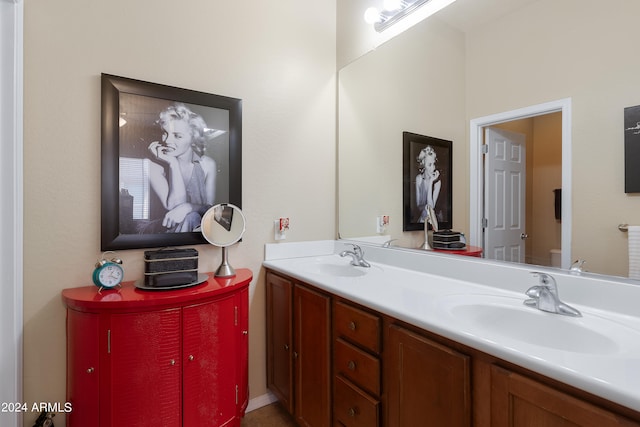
(356, 365)
(146, 358)
(425, 380)
(519, 401)
(389, 373)
(279, 312)
(298, 354)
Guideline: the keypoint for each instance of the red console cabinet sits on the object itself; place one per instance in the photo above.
(147, 358)
(474, 251)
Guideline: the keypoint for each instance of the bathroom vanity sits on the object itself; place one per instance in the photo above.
(392, 346)
(162, 357)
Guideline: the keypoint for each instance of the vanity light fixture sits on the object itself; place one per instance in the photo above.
(395, 10)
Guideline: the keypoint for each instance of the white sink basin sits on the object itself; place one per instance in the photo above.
(498, 316)
(334, 267)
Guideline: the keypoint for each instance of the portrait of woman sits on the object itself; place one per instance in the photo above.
(181, 176)
(427, 181)
(169, 167)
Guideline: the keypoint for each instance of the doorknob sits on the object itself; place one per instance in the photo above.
(524, 236)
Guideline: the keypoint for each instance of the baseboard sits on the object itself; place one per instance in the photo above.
(260, 401)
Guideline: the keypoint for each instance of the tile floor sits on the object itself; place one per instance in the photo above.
(268, 416)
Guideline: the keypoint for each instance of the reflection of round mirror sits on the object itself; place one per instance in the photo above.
(223, 224)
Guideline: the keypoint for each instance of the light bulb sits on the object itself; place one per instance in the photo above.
(371, 15)
(392, 4)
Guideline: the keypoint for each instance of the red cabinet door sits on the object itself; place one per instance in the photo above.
(242, 330)
(210, 359)
(83, 369)
(145, 369)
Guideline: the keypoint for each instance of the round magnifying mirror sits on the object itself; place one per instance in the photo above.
(223, 225)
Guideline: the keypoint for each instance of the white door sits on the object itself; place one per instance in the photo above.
(505, 191)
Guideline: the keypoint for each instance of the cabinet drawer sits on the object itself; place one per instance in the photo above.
(359, 326)
(352, 407)
(357, 365)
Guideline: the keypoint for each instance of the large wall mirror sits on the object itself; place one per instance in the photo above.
(481, 58)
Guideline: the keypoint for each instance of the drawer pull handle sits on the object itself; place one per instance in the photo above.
(90, 370)
(172, 362)
(191, 357)
(295, 354)
(352, 325)
(352, 412)
(286, 347)
(351, 365)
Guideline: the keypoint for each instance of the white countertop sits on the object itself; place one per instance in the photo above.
(420, 288)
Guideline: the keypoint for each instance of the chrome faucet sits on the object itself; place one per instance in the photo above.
(544, 296)
(357, 256)
(387, 244)
(577, 266)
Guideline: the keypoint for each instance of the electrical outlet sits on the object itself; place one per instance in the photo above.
(381, 223)
(281, 226)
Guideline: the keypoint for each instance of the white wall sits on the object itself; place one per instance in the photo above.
(279, 58)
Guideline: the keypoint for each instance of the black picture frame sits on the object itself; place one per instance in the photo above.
(632, 149)
(413, 213)
(130, 113)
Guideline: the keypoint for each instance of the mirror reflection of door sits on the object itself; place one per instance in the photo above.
(505, 178)
(523, 225)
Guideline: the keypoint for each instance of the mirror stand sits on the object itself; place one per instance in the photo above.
(225, 269)
(223, 225)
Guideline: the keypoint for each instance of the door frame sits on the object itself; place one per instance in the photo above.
(11, 191)
(476, 168)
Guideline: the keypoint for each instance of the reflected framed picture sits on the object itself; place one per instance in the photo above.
(631, 149)
(426, 181)
(168, 155)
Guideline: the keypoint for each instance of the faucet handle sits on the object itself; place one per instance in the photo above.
(533, 292)
(357, 249)
(546, 280)
(577, 266)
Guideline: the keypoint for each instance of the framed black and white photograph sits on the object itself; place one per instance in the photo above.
(427, 181)
(168, 155)
(632, 149)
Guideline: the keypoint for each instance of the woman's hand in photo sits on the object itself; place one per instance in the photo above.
(161, 151)
(176, 215)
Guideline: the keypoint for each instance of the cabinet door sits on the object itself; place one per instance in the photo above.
(242, 329)
(518, 401)
(428, 384)
(83, 368)
(280, 339)
(145, 369)
(210, 361)
(312, 357)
